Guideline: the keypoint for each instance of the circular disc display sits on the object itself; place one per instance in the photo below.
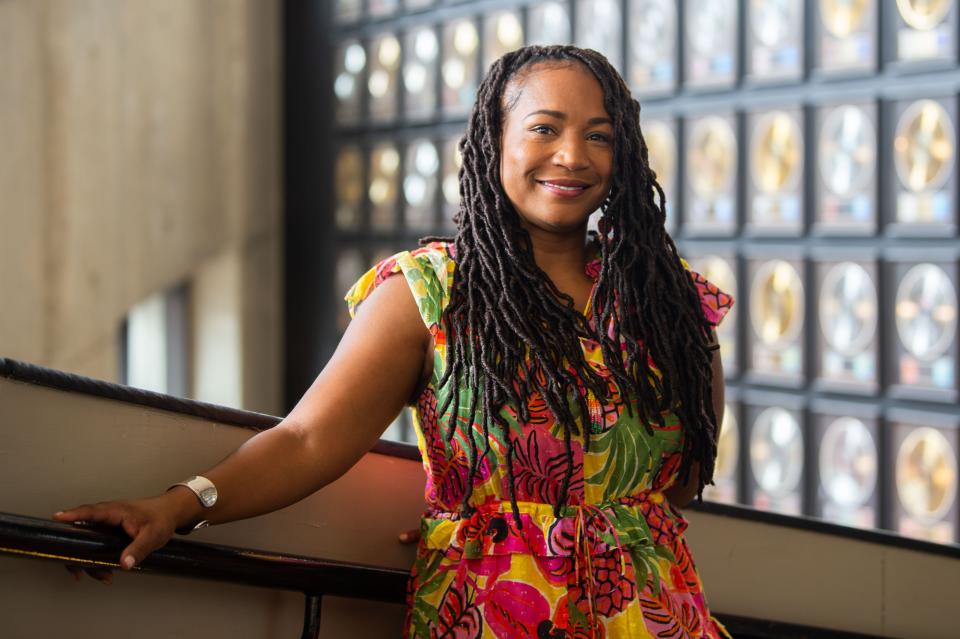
(770, 21)
(843, 17)
(776, 452)
(926, 474)
(924, 146)
(923, 14)
(848, 150)
(848, 462)
(653, 23)
(712, 157)
(776, 303)
(728, 446)
(848, 308)
(926, 310)
(777, 153)
(549, 23)
(662, 151)
(710, 23)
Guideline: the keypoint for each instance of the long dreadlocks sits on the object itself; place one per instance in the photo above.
(512, 335)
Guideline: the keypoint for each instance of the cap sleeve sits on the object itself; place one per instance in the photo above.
(714, 302)
(428, 272)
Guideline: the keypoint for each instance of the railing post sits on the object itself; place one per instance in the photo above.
(311, 616)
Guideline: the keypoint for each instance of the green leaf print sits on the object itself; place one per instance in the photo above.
(629, 452)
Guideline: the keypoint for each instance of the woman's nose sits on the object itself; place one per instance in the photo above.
(571, 154)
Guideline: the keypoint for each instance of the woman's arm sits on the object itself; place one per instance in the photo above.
(681, 494)
(375, 370)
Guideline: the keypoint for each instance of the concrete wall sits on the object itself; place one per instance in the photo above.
(139, 144)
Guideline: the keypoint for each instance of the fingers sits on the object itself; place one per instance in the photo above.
(145, 542)
(104, 576)
(110, 513)
(410, 536)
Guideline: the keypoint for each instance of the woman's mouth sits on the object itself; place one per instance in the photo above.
(564, 188)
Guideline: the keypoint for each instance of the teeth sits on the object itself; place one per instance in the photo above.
(565, 188)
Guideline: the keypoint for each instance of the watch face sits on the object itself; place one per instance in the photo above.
(924, 146)
(923, 14)
(848, 151)
(843, 17)
(776, 156)
(848, 462)
(776, 303)
(926, 474)
(848, 308)
(926, 311)
(776, 452)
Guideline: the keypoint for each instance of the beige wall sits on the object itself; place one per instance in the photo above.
(139, 142)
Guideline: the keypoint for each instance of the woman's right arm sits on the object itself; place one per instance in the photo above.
(374, 372)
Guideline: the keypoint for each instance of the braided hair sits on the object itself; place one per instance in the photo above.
(501, 302)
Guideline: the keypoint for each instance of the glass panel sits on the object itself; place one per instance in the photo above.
(420, 184)
(349, 187)
(502, 33)
(460, 55)
(599, 28)
(549, 23)
(384, 72)
(351, 60)
(382, 190)
(420, 72)
(146, 347)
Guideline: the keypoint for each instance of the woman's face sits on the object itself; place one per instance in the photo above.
(557, 146)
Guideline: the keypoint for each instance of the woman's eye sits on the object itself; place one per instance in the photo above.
(600, 137)
(542, 128)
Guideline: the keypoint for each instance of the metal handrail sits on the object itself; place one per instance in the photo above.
(99, 547)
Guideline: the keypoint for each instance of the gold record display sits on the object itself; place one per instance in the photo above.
(420, 184)
(452, 162)
(662, 152)
(776, 304)
(711, 40)
(728, 448)
(384, 71)
(926, 312)
(848, 151)
(848, 308)
(461, 44)
(712, 165)
(848, 462)
(924, 146)
(771, 21)
(548, 23)
(349, 187)
(776, 452)
(926, 474)
(776, 156)
(923, 15)
(382, 191)
(653, 28)
(599, 28)
(503, 33)
(842, 18)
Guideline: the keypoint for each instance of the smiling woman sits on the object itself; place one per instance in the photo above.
(566, 386)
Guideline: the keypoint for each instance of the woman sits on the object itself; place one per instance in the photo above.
(566, 386)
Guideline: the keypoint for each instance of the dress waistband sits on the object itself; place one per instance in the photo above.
(642, 519)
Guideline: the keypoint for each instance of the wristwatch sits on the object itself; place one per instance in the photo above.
(206, 493)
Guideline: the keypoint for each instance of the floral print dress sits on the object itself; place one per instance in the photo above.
(614, 564)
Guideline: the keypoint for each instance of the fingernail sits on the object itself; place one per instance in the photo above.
(58, 513)
(404, 536)
(128, 562)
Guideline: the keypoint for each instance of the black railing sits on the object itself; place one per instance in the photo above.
(99, 547)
